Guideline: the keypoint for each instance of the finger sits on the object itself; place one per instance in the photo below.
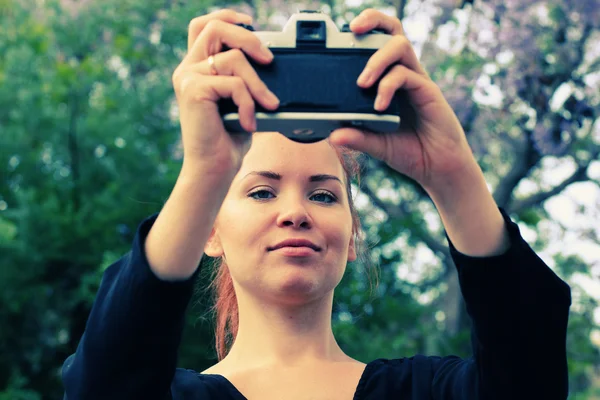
(194, 90)
(234, 87)
(421, 90)
(372, 19)
(216, 33)
(197, 24)
(375, 144)
(397, 50)
(235, 63)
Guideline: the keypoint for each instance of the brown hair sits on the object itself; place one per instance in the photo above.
(225, 308)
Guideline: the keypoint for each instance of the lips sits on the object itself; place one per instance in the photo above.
(297, 242)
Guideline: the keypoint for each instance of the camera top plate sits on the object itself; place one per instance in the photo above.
(300, 23)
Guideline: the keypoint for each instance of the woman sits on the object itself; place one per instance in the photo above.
(279, 215)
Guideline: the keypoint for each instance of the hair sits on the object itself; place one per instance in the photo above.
(225, 306)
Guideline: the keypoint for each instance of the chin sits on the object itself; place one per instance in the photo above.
(300, 290)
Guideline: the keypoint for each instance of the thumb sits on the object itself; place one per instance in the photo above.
(242, 143)
(365, 141)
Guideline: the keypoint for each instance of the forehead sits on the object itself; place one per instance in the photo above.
(273, 151)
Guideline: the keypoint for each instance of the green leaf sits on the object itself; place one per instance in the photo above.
(8, 230)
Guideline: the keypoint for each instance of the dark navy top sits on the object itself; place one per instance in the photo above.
(518, 306)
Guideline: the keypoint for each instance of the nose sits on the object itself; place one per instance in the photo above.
(295, 215)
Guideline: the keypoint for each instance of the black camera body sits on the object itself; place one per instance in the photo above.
(314, 75)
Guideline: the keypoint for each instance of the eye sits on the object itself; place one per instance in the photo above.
(327, 194)
(320, 193)
(257, 192)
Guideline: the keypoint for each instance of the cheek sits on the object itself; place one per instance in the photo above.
(340, 231)
(242, 233)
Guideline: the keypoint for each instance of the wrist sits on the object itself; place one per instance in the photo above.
(470, 215)
(456, 185)
(214, 171)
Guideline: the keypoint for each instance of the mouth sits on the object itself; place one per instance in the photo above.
(303, 244)
(292, 251)
(294, 247)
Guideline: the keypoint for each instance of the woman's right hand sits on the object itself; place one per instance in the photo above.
(205, 140)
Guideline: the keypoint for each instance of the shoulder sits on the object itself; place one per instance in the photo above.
(413, 377)
(418, 362)
(189, 384)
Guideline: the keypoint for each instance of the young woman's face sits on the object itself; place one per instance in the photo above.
(261, 211)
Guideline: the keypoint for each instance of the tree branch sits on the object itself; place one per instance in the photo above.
(400, 9)
(452, 304)
(401, 212)
(580, 175)
(525, 159)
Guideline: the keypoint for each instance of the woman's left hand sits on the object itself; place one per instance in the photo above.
(435, 150)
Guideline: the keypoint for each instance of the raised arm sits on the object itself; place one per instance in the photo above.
(518, 305)
(129, 347)
(130, 343)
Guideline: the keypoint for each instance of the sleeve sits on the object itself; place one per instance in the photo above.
(519, 310)
(129, 347)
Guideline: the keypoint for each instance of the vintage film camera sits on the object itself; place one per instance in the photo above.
(314, 75)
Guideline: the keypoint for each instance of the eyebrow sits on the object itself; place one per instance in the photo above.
(312, 178)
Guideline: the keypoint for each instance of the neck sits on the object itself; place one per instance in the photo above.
(271, 334)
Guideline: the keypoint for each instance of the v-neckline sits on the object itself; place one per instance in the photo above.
(358, 394)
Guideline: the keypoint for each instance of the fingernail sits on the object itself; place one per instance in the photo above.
(357, 21)
(253, 124)
(365, 77)
(271, 98)
(244, 17)
(378, 102)
(266, 52)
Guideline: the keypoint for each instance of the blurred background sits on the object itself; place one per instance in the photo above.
(89, 146)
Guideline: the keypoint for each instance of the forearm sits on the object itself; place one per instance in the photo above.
(519, 310)
(175, 243)
(129, 348)
(469, 214)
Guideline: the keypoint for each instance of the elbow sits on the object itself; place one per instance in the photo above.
(75, 383)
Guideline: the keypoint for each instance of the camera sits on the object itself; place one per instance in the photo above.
(314, 75)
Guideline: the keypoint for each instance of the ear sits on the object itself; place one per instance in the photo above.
(213, 247)
(352, 249)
